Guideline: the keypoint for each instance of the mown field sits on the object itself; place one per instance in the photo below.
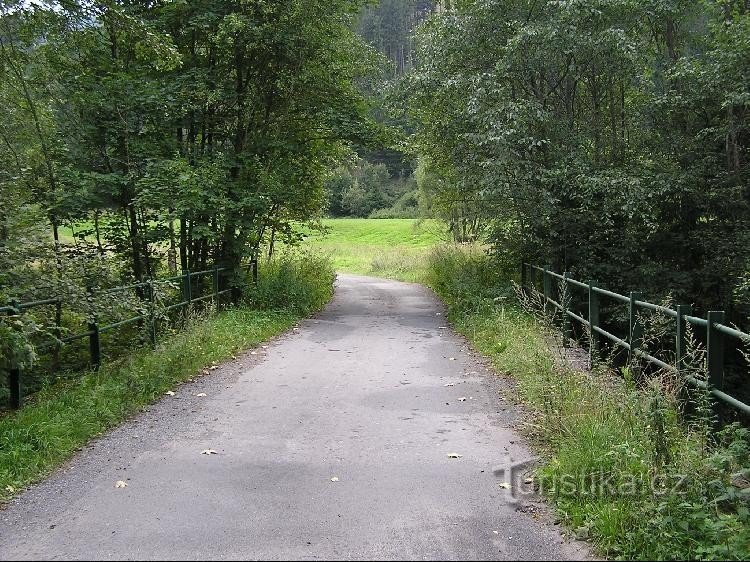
(395, 248)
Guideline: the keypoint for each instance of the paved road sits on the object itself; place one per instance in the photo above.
(357, 393)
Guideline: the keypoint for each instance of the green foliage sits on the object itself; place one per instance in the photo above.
(16, 351)
(613, 135)
(298, 281)
(203, 127)
(621, 467)
(363, 188)
(409, 206)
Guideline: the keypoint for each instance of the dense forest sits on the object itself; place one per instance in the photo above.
(606, 138)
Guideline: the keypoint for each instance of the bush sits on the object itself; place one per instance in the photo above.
(300, 282)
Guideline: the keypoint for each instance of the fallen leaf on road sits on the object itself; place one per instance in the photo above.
(205, 372)
(504, 486)
(121, 484)
(169, 393)
(264, 346)
(213, 367)
(449, 384)
(451, 359)
(454, 456)
(209, 452)
(253, 353)
(462, 399)
(335, 479)
(201, 394)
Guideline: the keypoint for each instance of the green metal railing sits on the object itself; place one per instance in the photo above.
(716, 330)
(95, 329)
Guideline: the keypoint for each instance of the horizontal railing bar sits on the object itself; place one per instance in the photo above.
(657, 308)
(612, 337)
(554, 302)
(224, 292)
(732, 332)
(176, 305)
(731, 400)
(553, 274)
(697, 321)
(76, 337)
(655, 361)
(610, 294)
(121, 323)
(577, 283)
(168, 280)
(43, 302)
(121, 289)
(194, 273)
(206, 297)
(575, 316)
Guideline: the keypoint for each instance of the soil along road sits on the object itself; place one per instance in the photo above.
(334, 442)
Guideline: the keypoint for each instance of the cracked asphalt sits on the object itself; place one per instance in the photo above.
(333, 442)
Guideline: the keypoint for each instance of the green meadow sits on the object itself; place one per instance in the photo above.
(394, 248)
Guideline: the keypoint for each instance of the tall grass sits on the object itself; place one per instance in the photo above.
(65, 415)
(622, 465)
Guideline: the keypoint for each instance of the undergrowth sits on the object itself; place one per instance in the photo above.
(622, 466)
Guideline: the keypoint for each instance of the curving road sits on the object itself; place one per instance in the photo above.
(333, 442)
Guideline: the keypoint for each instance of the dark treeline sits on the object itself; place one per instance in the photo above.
(172, 134)
(606, 138)
(380, 182)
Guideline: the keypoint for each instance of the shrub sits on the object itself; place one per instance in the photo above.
(296, 281)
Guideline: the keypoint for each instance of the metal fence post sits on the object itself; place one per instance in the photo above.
(593, 324)
(95, 345)
(523, 277)
(564, 300)
(532, 278)
(216, 286)
(715, 355)
(681, 337)
(636, 334)
(255, 271)
(152, 312)
(187, 289)
(14, 375)
(547, 286)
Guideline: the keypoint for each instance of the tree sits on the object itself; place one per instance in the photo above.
(612, 136)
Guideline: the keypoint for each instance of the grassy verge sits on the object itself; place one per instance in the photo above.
(622, 468)
(393, 248)
(65, 415)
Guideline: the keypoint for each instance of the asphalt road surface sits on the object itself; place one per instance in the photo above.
(334, 442)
